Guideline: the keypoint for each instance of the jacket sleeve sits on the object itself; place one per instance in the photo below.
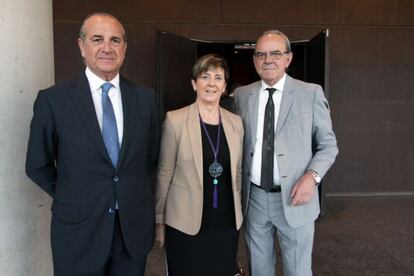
(166, 167)
(323, 141)
(42, 146)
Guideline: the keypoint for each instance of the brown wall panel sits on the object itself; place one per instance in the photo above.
(375, 12)
(284, 12)
(377, 60)
(142, 11)
(322, 12)
(140, 62)
(376, 148)
(68, 60)
(371, 67)
(373, 109)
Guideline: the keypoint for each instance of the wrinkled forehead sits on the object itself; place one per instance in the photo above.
(102, 24)
(270, 42)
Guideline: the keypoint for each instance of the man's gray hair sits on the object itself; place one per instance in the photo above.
(276, 32)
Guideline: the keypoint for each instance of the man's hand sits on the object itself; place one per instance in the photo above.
(160, 234)
(303, 190)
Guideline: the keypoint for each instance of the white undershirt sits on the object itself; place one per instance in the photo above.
(114, 94)
(257, 155)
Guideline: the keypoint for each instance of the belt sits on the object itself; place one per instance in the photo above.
(275, 189)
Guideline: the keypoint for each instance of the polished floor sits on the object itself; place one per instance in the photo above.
(357, 236)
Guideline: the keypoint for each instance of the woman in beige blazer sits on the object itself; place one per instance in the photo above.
(199, 179)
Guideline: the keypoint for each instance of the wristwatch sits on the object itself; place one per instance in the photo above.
(315, 175)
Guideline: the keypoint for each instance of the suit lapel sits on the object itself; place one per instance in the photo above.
(253, 109)
(194, 132)
(287, 99)
(129, 111)
(82, 98)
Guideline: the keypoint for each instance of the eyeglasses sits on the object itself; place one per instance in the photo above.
(273, 55)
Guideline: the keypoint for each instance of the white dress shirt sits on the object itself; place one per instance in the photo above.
(114, 94)
(255, 173)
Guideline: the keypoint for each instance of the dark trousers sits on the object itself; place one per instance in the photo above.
(119, 262)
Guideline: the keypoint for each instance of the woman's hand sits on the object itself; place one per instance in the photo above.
(160, 234)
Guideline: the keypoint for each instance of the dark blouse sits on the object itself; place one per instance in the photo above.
(223, 215)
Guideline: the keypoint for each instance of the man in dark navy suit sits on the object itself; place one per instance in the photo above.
(94, 142)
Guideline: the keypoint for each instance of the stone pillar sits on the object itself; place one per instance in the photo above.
(26, 65)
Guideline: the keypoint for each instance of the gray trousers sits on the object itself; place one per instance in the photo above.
(265, 218)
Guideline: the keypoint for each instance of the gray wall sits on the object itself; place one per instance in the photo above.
(26, 58)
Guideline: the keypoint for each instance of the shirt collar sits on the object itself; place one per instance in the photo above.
(279, 85)
(96, 82)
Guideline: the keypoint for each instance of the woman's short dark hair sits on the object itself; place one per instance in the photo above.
(209, 62)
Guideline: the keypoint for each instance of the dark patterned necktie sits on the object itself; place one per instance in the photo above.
(266, 176)
(109, 128)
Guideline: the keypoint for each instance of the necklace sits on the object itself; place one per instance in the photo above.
(215, 169)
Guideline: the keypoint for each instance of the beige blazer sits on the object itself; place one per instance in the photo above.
(179, 190)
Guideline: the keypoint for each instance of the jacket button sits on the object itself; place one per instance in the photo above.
(116, 178)
(111, 210)
(251, 154)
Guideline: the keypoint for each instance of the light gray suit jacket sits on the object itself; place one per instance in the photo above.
(303, 140)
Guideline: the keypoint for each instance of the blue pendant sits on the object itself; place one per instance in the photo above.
(215, 169)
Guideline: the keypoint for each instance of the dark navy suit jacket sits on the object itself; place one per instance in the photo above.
(67, 158)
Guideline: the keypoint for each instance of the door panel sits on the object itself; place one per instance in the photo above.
(175, 59)
(317, 71)
(317, 61)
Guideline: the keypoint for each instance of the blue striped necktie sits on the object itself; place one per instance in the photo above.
(109, 128)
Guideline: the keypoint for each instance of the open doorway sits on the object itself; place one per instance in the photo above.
(176, 56)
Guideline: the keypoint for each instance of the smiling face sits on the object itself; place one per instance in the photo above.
(210, 85)
(103, 45)
(270, 66)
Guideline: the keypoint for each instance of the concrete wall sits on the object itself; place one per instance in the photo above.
(26, 59)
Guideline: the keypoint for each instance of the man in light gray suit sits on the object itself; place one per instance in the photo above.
(289, 146)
